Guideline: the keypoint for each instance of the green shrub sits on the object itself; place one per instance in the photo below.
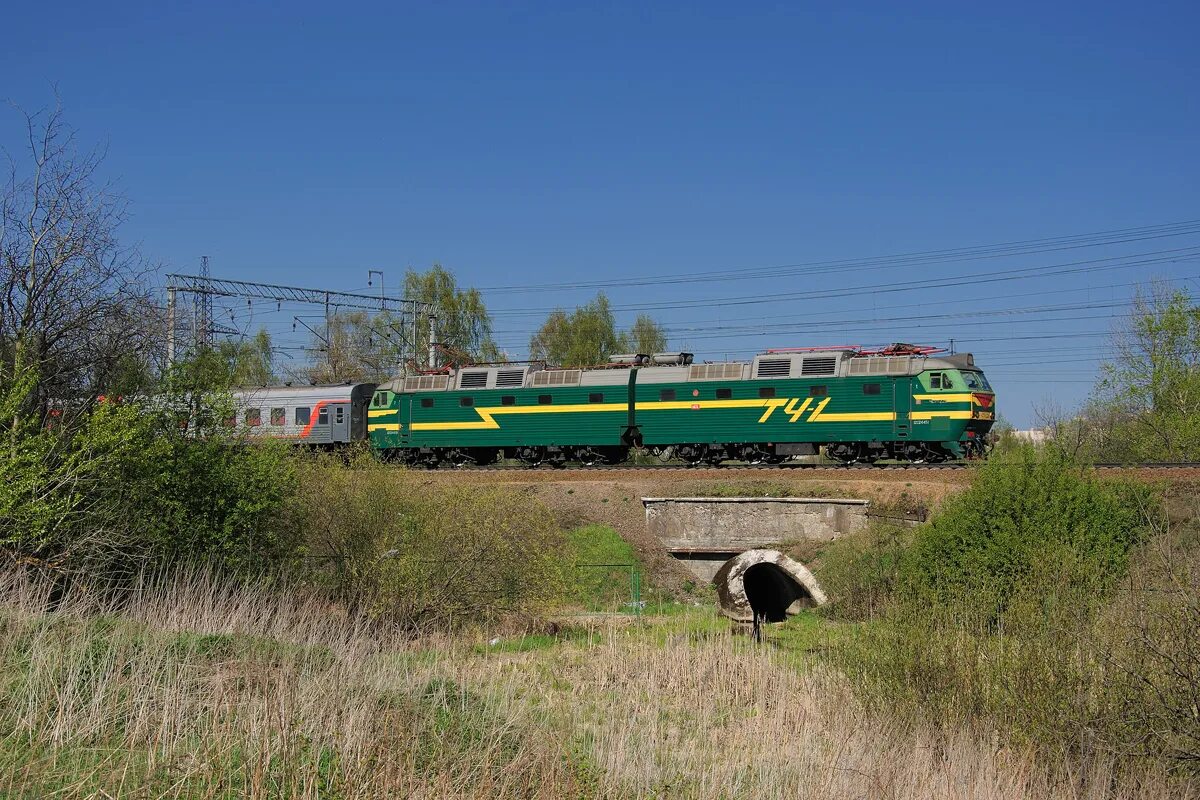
(1033, 527)
(859, 572)
(125, 485)
(427, 556)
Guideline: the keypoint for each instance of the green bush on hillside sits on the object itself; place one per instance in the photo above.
(1033, 527)
(120, 485)
(427, 556)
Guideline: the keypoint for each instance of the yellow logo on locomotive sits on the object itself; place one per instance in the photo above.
(794, 411)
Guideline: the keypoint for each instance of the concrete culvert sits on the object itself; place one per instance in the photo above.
(766, 582)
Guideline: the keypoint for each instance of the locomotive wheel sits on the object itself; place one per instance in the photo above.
(587, 456)
(692, 454)
(845, 453)
(531, 456)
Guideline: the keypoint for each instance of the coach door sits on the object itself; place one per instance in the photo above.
(339, 422)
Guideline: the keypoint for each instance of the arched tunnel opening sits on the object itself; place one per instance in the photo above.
(771, 591)
(765, 585)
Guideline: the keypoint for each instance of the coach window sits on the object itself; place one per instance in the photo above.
(340, 414)
(508, 400)
(818, 391)
(870, 388)
(666, 394)
(426, 402)
(724, 394)
(545, 399)
(254, 417)
(303, 415)
(279, 416)
(323, 416)
(595, 397)
(766, 391)
(466, 402)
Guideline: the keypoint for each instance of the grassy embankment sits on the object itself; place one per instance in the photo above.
(202, 690)
(1046, 652)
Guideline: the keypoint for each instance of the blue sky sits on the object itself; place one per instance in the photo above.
(533, 144)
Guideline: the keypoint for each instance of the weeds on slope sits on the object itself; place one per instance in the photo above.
(192, 688)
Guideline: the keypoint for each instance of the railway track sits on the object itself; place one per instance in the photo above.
(775, 468)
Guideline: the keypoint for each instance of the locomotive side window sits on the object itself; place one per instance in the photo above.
(426, 402)
(766, 391)
(545, 399)
(724, 394)
(940, 380)
(508, 400)
(666, 394)
(466, 402)
(818, 391)
(870, 388)
(303, 415)
(595, 397)
(254, 417)
(279, 416)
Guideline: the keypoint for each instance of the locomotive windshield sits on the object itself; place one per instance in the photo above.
(976, 380)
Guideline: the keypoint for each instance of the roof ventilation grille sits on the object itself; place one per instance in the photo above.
(556, 377)
(417, 383)
(510, 377)
(824, 365)
(774, 367)
(473, 380)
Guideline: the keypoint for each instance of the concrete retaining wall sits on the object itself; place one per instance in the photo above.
(704, 532)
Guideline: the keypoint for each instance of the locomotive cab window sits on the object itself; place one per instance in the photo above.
(766, 391)
(278, 416)
(508, 400)
(724, 394)
(666, 394)
(870, 388)
(303, 415)
(426, 402)
(466, 402)
(595, 397)
(254, 417)
(975, 380)
(818, 391)
(940, 380)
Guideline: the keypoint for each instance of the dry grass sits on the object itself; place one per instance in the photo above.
(196, 690)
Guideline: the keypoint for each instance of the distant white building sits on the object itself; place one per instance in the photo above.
(1033, 435)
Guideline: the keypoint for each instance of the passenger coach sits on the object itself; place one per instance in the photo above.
(314, 415)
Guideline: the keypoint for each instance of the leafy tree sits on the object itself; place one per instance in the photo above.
(589, 335)
(646, 336)
(75, 312)
(464, 325)
(250, 361)
(1150, 393)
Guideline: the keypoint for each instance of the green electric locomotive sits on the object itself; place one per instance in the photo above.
(902, 402)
